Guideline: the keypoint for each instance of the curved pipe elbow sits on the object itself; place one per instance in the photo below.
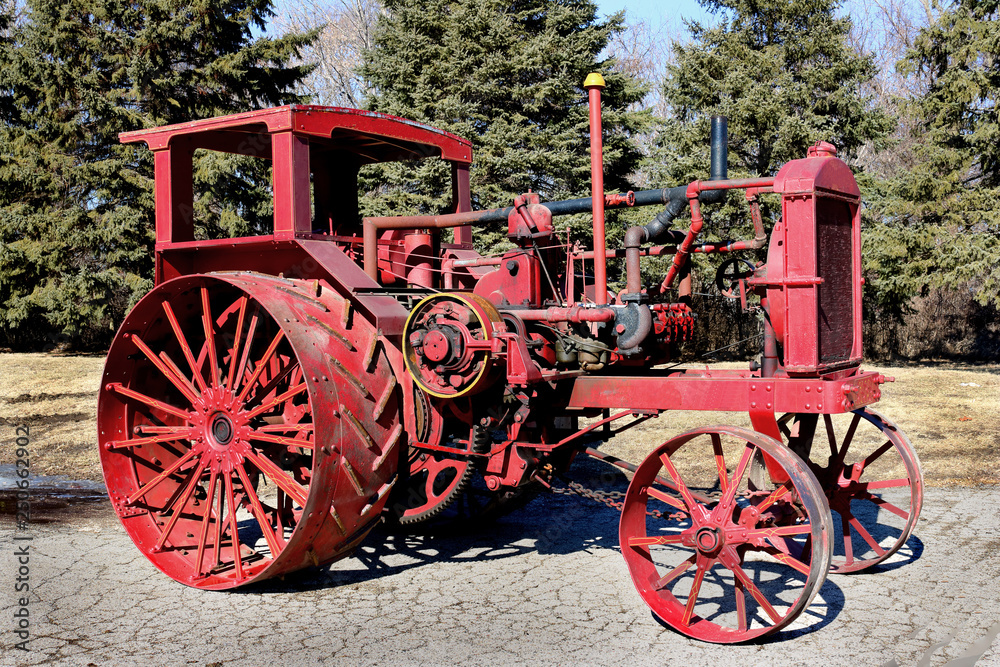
(712, 196)
(635, 237)
(635, 321)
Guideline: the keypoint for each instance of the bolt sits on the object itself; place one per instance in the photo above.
(620, 329)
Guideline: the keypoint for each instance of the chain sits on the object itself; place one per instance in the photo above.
(615, 500)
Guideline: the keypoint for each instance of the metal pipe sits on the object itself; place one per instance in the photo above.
(373, 225)
(769, 360)
(634, 238)
(572, 206)
(479, 261)
(618, 253)
(594, 85)
(676, 200)
(684, 249)
(719, 148)
(694, 192)
(574, 314)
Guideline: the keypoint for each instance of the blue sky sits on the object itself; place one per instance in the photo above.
(656, 11)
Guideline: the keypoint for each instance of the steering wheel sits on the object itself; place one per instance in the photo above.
(729, 275)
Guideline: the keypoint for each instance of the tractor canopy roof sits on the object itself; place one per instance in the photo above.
(371, 136)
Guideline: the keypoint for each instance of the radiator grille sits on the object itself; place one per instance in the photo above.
(834, 261)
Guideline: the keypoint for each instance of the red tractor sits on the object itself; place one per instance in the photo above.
(274, 397)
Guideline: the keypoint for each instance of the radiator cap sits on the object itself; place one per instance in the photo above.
(822, 149)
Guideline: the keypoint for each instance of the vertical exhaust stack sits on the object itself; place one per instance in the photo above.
(594, 84)
(719, 148)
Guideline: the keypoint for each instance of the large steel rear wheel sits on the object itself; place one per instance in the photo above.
(248, 427)
(715, 555)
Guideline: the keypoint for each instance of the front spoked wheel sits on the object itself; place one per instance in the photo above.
(871, 478)
(716, 555)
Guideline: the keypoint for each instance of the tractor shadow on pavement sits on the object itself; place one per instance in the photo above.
(549, 524)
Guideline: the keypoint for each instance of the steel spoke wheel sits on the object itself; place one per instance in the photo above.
(715, 555)
(237, 442)
(871, 475)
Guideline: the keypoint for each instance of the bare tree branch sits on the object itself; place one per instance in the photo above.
(348, 27)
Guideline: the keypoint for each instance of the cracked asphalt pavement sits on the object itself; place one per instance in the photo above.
(546, 585)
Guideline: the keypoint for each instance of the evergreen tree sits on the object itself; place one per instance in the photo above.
(76, 207)
(508, 75)
(950, 200)
(782, 72)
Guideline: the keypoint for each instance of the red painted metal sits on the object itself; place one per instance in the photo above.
(308, 356)
(576, 314)
(676, 540)
(447, 344)
(379, 136)
(372, 226)
(693, 191)
(594, 88)
(735, 391)
(221, 391)
(860, 467)
(296, 138)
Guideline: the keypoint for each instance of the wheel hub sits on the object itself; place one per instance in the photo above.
(708, 539)
(221, 430)
(436, 346)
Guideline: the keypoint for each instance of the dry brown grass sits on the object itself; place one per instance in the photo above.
(954, 427)
(56, 397)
